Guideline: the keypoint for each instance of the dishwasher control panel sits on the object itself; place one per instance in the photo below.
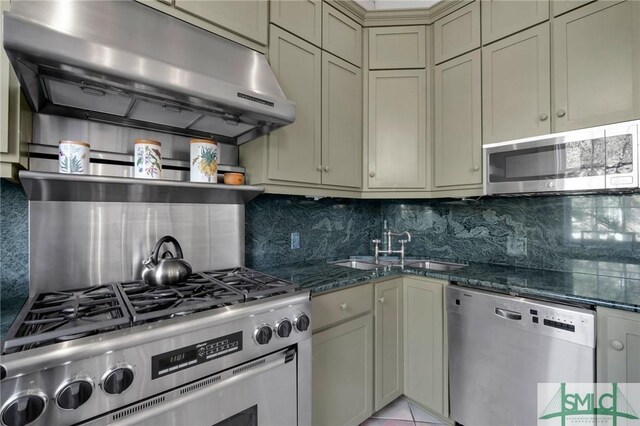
(559, 324)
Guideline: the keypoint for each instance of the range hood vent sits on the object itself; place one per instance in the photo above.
(125, 63)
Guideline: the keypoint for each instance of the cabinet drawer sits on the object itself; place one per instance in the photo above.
(341, 305)
(341, 35)
(397, 47)
(457, 33)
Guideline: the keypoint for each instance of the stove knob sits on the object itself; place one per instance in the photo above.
(283, 328)
(118, 380)
(24, 409)
(302, 322)
(263, 334)
(74, 394)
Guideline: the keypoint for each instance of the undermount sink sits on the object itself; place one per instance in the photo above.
(409, 263)
(433, 265)
(356, 264)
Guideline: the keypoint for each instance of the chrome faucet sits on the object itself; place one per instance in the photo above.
(389, 250)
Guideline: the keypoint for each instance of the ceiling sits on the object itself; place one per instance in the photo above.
(395, 4)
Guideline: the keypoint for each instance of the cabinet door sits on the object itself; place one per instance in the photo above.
(341, 35)
(596, 52)
(294, 150)
(341, 122)
(563, 6)
(397, 47)
(458, 127)
(425, 366)
(618, 346)
(301, 17)
(342, 373)
(397, 139)
(501, 18)
(249, 18)
(389, 330)
(516, 86)
(457, 33)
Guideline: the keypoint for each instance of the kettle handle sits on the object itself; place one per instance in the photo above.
(161, 241)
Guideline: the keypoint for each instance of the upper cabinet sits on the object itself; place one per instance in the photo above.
(303, 18)
(596, 57)
(397, 129)
(457, 33)
(458, 125)
(249, 18)
(294, 152)
(341, 35)
(516, 86)
(558, 7)
(15, 118)
(502, 18)
(341, 122)
(397, 47)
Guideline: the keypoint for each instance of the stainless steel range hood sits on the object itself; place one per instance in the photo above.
(126, 63)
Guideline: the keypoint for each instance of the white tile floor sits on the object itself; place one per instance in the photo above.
(401, 413)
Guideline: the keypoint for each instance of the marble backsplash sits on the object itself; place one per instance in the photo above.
(540, 232)
(328, 227)
(14, 241)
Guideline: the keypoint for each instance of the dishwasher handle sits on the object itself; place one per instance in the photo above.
(511, 315)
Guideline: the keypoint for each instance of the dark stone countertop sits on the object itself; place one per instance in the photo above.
(609, 284)
(612, 285)
(9, 309)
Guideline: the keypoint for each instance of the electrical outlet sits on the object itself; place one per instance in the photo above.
(295, 240)
(516, 246)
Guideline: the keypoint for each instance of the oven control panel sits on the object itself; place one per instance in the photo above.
(179, 359)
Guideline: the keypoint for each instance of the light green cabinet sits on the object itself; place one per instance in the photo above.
(397, 47)
(596, 71)
(559, 7)
(294, 151)
(341, 123)
(301, 17)
(618, 347)
(516, 86)
(502, 18)
(389, 346)
(458, 125)
(457, 33)
(425, 360)
(15, 118)
(396, 145)
(248, 18)
(341, 35)
(342, 373)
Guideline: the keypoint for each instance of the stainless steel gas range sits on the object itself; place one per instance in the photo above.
(225, 347)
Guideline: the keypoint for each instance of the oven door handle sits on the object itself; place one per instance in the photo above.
(239, 373)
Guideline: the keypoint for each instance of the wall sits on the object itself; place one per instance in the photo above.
(543, 232)
(14, 241)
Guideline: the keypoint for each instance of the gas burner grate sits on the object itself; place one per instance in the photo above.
(197, 293)
(60, 316)
(254, 285)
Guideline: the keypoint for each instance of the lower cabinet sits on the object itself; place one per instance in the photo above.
(425, 356)
(389, 348)
(342, 376)
(618, 348)
(371, 347)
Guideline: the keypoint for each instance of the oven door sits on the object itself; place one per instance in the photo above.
(261, 392)
(583, 160)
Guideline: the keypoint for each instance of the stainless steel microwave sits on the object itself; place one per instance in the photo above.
(594, 159)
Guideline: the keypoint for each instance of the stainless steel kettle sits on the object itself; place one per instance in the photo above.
(169, 269)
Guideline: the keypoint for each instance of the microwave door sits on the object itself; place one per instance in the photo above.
(622, 155)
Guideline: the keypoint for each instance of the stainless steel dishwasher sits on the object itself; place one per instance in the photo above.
(501, 347)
